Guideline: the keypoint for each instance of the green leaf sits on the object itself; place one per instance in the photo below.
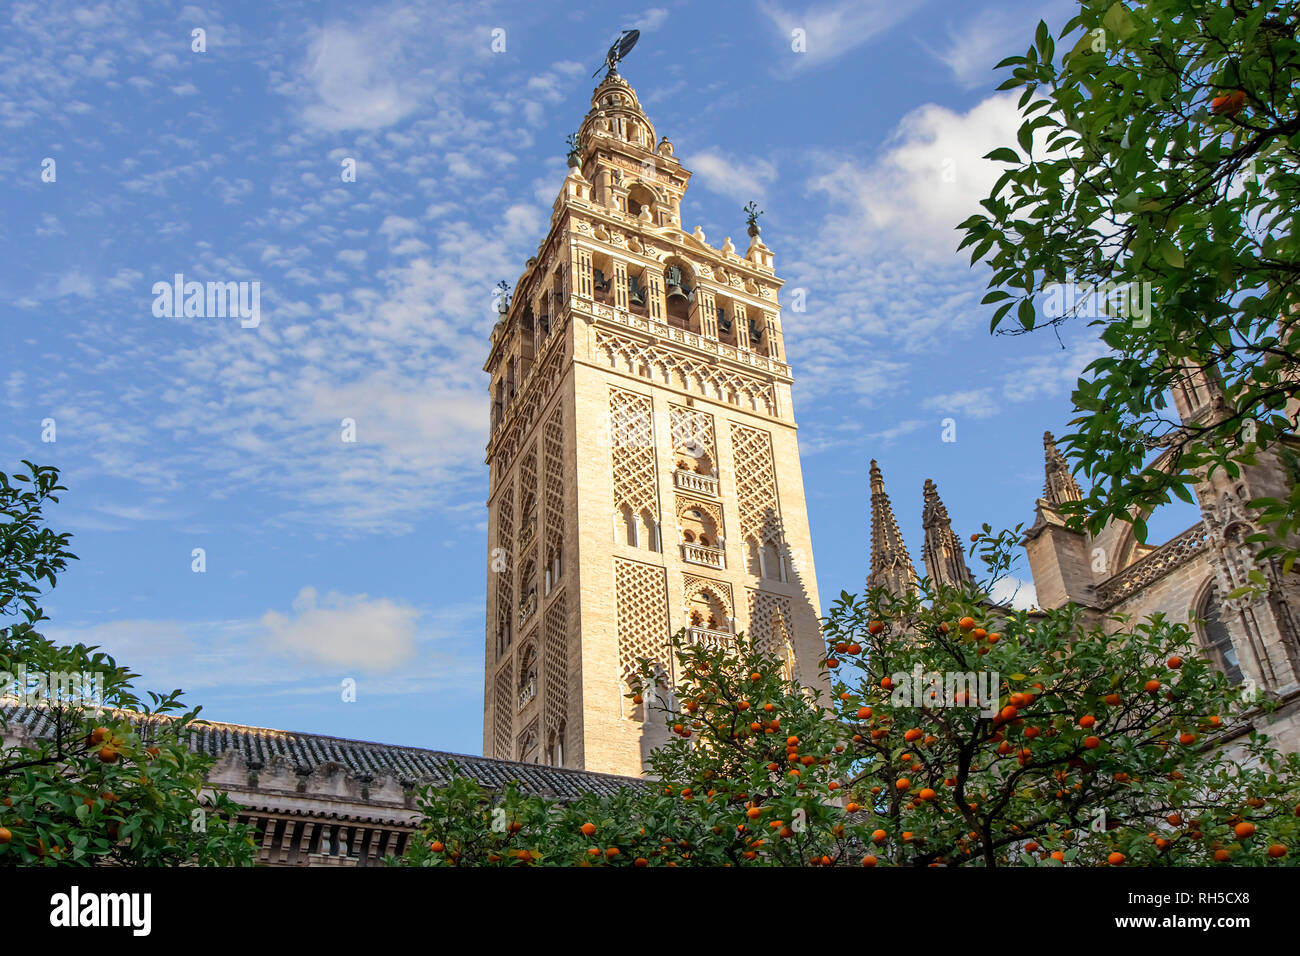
(1003, 154)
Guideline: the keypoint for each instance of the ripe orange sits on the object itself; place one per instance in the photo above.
(1174, 663)
(756, 676)
(887, 683)
(743, 705)
(768, 708)
(107, 754)
(1058, 856)
(966, 623)
(1092, 743)
(99, 735)
(1115, 859)
(855, 648)
(436, 846)
(792, 741)
(914, 734)
(864, 713)
(1276, 851)
(5, 836)
(875, 627)
(1032, 732)
(587, 829)
(926, 794)
(868, 860)
(1087, 720)
(1152, 687)
(613, 852)
(1228, 104)
(903, 783)
(1221, 856)
(640, 861)
(1187, 738)
(994, 637)
(1113, 699)
(853, 807)
(1174, 820)
(753, 813)
(1244, 829)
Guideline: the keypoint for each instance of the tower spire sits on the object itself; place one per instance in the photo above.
(944, 561)
(891, 565)
(1060, 486)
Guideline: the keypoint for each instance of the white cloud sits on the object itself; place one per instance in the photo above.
(977, 403)
(1018, 593)
(742, 180)
(372, 635)
(351, 80)
(991, 35)
(832, 30)
(930, 177)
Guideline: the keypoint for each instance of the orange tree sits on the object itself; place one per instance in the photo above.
(957, 733)
(100, 785)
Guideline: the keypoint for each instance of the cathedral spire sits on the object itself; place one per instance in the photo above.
(1061, 486)
(944, 561)
(891, 565)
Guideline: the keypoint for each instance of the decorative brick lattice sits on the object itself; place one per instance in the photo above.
(692, 584)
(770, 622)
(710, 508)
(1151, 567)
(503, 559)
(555, 662)
(527, 742)
(504, 709)
(632, 452)
(692, 427)
(641, 594)
(527, 503)
(553, 470)
(760, 517)
(671, 367)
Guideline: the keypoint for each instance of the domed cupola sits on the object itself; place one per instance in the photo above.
(616, 113)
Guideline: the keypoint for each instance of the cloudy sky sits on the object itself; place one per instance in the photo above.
(129, 156)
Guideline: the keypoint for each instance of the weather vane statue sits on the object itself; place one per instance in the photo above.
(620, 49)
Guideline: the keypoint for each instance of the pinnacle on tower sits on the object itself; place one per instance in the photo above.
(1061, 486)
(891, 565)
(944, 561)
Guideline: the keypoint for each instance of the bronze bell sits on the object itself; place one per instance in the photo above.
(674, 281)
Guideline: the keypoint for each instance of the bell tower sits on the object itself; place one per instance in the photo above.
(644, 463)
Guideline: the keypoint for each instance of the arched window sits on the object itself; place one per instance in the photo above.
(772, 562)
(649, 532)
(1214, 635)
(627, 526)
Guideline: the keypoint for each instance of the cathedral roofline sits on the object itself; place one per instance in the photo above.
(310, 751)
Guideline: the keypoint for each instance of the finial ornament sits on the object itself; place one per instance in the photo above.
(618, 51)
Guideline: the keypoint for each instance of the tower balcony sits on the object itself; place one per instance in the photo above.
(527, 606)
(528, 691)
(691, 481)
(709, 557)
(708, 637)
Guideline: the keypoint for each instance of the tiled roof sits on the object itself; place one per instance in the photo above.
(408, 765)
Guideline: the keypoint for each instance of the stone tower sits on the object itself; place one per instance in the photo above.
(644, 466)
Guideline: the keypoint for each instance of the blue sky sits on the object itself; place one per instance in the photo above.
(327, 559)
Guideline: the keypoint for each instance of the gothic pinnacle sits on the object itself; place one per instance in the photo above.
(891, 565)
(945, 562)
(1060, 485)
